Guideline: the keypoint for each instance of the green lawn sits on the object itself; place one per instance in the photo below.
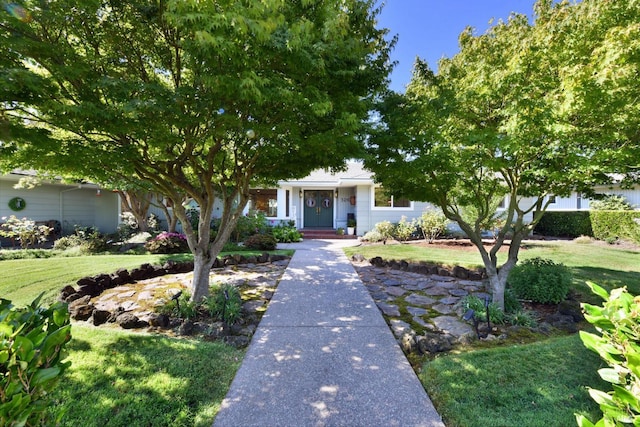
(22, 280)
(528, 385)
(124, 379)
(540, 384)
(609, 266)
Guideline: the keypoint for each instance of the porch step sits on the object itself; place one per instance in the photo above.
(323, 233)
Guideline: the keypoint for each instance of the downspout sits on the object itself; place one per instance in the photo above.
(79, 187)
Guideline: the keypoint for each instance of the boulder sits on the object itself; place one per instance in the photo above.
(81, 309)
(101, 317)
(130, 321)
(431, 343)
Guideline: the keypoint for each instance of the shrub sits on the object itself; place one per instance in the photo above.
(31, 344)
(224, 303)
(613, 225)
(167, 243)
(564, 224)
(286, 234)
(432, 224)
(618, 323)
(385, 230)
(88, 240)
(472, 302)
(611, 202)
(404, 229)
(180, 307)
(372, 236)
(263, 242)
(540, 280)
(521, 318)
(25, 230)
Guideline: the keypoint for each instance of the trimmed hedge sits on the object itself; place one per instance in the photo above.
(613, 225)
(565, 224)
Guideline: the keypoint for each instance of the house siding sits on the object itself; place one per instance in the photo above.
(69, 205)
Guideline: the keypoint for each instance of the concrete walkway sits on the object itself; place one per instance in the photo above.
(324, 356)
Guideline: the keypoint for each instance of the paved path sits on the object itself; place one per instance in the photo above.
(323, 355)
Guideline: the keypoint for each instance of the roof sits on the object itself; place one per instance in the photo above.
(353, 175)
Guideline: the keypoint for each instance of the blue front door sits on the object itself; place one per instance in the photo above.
(318, 208)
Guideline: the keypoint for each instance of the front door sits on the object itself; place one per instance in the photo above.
(318, 208)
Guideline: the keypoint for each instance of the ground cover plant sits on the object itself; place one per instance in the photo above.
(118, 378)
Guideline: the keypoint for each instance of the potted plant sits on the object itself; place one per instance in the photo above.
(340, 231)
(351, 226)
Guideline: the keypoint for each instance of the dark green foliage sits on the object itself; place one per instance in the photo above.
(31, 342)
(167, 243)
(616, 322)
(511, 302)
(88, 239)
(564, 224)
(478, 306)
(613, 225)
(263, 242)
(540, 280)
(181, 307)
(286, 233)
(224, 303)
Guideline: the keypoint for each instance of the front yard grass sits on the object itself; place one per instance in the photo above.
(124, 379)
(538, 384)
(609, 266)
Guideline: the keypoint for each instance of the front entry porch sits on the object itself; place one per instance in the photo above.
(324, 233)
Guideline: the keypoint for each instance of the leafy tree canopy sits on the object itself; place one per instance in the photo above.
(196, 99)
(510, 117)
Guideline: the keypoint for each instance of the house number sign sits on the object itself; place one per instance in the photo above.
(17, 204)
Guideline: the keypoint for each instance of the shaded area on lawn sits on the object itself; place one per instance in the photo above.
(123, 379)
(545, 388)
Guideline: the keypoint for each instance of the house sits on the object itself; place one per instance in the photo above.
(325, 200)
(60, 205)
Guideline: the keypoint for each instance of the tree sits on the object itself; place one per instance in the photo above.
(197, 99)
(492, 124)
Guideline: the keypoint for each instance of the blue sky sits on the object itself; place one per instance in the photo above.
(430, 28)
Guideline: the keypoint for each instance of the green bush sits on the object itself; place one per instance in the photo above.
(31, 344)
(472, 302)
(180, 307)
(618, 323)
(432, 223)
(564, 224)
(286, 234)
(372, 236)
(263, 242)
(385, 230)
(404, 229)
(224, 303)
(540, 280)
(167, 243)
(88, 240)
(613, 225)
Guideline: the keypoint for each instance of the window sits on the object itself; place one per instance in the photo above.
(552, 199)
(383, 200)
(264, 201)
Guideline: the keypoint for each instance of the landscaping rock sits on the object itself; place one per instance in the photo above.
(101, 317)
(389, 309)
(432, 343)
(130, 321)
(81, 309)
